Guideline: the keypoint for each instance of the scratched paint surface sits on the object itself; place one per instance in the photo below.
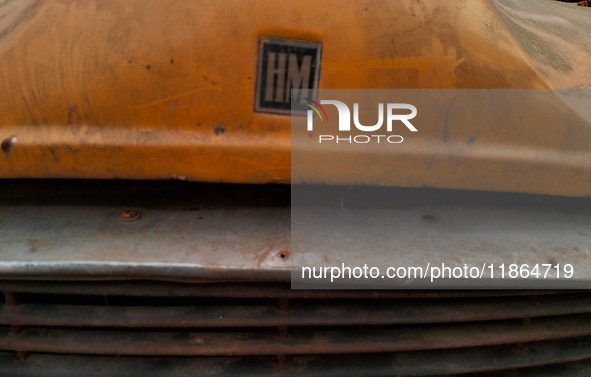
(153, 90)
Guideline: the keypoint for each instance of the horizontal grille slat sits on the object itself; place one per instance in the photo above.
(298, 315)
(301, 342)
(570, 358)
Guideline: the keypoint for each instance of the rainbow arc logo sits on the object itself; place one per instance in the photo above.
(316, 107)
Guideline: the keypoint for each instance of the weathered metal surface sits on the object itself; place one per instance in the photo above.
(475, 236)
(248, 243)
(310, 314)
(301, 342)
(91, 242)
(434, 363)
(157, 98)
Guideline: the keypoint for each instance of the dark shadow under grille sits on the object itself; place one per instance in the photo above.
(144, 328)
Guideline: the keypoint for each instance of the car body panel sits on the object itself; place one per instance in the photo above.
(153, 90)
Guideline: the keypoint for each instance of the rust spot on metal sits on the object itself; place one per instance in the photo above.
(129, 215)
(21, 355)
(263, 255)
(284, 254)
(219, 129)
(521, 349)
(15, 330)
(283, 304)
(7, 144)
(35, 244)
(282, 332)
(10, 300)
(283, 364)
(525, 321)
